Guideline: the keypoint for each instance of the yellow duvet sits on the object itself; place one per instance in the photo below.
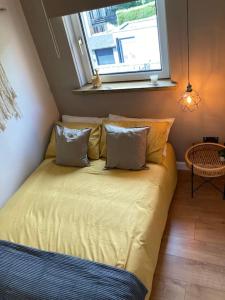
(115, 217)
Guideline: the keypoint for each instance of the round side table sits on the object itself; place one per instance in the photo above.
(204, 160)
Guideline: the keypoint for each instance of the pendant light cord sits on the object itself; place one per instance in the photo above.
(188, 42)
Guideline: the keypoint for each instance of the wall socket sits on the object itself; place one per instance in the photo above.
(211, 139)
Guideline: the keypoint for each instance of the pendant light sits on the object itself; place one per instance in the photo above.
(190, 99)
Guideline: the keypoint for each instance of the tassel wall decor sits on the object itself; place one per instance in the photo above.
(8, 105)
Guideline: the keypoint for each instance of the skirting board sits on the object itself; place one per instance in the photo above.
(181, 165)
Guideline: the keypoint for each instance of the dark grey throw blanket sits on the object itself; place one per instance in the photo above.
(27, 273)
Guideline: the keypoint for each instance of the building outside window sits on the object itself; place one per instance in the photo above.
(105, 56)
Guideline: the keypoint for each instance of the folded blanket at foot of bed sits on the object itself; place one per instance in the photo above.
(27, 273)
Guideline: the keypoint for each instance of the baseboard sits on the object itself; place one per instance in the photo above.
(181, 165)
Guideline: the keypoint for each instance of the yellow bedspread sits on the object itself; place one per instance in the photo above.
(116, 217)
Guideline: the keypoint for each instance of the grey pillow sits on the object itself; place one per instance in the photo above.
(72, 146)
(126, 147)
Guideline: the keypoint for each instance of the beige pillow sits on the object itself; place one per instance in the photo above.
(77, 119)
(126, 147)
(72, 146)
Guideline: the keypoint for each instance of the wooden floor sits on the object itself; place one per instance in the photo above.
(191, 263)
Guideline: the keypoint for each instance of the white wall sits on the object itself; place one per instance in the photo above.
(23, 142)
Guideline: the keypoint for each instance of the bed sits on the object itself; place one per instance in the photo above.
(114, 217)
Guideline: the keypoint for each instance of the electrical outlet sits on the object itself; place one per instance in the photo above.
(211, 139)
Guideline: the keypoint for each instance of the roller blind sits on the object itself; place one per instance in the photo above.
(56, 8)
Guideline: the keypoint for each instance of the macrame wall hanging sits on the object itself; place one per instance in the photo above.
(8, 105)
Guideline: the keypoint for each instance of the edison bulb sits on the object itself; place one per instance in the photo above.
(189, 100)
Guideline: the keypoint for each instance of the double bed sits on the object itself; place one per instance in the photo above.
(113, 217)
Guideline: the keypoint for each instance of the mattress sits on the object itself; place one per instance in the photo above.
(115, 217)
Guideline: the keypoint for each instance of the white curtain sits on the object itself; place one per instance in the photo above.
(8, 105)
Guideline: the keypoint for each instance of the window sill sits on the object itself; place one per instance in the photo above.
(132, 86)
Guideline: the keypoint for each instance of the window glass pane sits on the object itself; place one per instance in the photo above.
(123, 38)
(105, 56)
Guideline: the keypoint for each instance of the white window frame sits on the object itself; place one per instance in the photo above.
(82, 62)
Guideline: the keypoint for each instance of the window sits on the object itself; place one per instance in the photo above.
(124, 42)
(105, 56)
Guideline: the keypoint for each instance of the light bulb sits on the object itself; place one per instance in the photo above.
(189, 100)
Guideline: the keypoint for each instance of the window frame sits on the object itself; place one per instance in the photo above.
(83, 65)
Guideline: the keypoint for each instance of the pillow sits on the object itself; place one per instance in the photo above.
(94, 139)
(122, 118)
(76, 119)
(126, 147)
(157, 137)
(72, 146)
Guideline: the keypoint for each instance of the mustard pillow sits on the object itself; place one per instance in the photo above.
(93, 144)
(157, 137)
